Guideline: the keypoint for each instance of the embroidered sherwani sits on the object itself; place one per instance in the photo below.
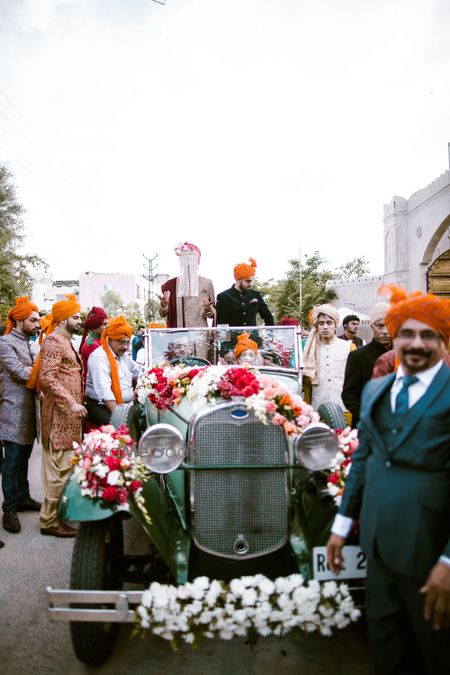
(61, 384)
(187, 312)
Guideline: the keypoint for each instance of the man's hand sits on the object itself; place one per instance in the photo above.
(437, 596)
(78, 410)
(208, 305)
(164, 298)
(335, 559)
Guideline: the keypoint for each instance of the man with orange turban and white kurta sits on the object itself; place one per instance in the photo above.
(399, 489)
(60, 381)
(110, 373)
(239, 305)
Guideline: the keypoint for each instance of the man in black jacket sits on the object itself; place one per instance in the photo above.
(239, 305)
(360, 362)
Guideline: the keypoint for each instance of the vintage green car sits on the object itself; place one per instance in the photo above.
(236, 488)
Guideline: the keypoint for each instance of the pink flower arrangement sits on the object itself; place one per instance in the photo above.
(108, 471)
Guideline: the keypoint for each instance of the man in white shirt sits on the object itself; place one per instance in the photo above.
(110, 372)
(399, 486)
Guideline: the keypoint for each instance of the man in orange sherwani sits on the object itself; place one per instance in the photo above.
(60, 380)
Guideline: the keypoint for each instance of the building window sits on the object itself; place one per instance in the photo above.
(138, 292)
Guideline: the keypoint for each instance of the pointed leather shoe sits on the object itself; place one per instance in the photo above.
(11, 522)
(30, 504)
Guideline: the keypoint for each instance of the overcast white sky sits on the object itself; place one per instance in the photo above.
(249, 127)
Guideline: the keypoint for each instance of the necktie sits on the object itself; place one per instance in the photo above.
(402, 400)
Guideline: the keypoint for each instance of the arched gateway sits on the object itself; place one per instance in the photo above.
(438, 279)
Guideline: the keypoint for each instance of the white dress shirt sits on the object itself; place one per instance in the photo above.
(342, 525)
(98, 381)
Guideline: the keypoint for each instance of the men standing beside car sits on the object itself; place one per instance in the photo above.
(17, 410)
(60, 380)
(399, 488)
(110, 372)
(361, 361)
(324, 358)
(240, 304)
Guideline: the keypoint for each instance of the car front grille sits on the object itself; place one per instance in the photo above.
(238, 513)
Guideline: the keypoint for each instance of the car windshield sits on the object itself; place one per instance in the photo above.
(261, 346)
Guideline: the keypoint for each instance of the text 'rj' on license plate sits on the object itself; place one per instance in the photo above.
(354, 561)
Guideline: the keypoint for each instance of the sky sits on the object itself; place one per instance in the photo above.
(260, 128)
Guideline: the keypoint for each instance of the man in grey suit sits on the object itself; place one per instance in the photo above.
(17, 410)
(399, 486)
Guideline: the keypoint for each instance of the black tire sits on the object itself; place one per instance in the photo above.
(95, 567)
(333, 415)
(125, 413)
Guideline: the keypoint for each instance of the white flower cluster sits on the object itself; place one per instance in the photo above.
(213, 609)
(145, 386)
(204, 386)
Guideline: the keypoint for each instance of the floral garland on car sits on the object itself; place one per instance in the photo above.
(107, 470)
(250, 605)
(265, 396)
(340, 466)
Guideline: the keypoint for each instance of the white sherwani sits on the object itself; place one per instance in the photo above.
(333, 358)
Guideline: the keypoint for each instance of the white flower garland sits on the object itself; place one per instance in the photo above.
(250, 604)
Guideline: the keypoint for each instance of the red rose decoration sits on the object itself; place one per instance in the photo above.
(110, 494)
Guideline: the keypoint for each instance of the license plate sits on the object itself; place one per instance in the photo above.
(354, 560)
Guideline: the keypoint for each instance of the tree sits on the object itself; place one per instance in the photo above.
(358, 267)
(112, 303)
(133, 315)
(15, 277)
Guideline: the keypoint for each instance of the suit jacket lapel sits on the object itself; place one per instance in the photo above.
(367, 417)
(440, 381)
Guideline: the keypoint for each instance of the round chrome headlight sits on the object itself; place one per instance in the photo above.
(316, 447)
(162, 448)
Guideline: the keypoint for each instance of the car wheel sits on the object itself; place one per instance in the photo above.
(125, 413)
(97, 548)
(333, 415)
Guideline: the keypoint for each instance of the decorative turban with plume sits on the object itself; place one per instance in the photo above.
(245, 271)
(424, 307)
(115, 330)
(185, 248)
(311, 352)
(22, 309)
(243, 343)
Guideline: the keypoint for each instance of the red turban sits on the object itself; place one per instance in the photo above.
(63, 309)
(95, 318)
(244, 271)
(427, 308)
(244, 343)
(22, 309)
(115, 330)
(288, 321)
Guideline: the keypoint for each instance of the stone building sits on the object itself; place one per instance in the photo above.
(416, 247)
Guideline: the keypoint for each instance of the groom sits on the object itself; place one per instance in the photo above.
(399, 485)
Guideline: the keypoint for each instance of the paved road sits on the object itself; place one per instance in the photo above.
(31, 644)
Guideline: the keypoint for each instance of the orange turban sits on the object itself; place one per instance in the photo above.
(64, 308)
(244, 343)
(22, 309)
(115, 330)
(244, 271)
(427, 308)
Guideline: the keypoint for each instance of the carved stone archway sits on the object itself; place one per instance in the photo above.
(438, 277)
